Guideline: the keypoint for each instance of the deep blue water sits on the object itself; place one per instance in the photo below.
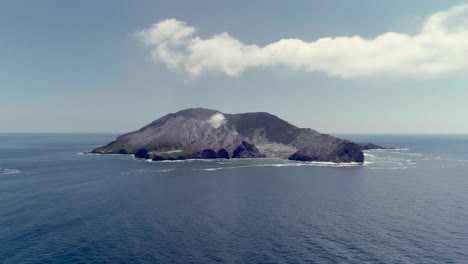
(403, 206)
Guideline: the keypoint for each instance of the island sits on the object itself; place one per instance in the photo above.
(199, 133)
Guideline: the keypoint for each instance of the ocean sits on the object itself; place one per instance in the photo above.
(407, 205)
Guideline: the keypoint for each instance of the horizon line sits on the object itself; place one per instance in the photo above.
(322, 132)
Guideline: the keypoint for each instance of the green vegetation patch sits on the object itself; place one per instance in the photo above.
(170, 154)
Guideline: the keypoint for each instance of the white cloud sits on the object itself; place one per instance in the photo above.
(216, 120)
(441, 47)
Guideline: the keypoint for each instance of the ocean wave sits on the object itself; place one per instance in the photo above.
(166, 170)
(393, 168)
(150, 171)
(9, 171)
(438, 158)
(296, 164)
(391, 151)
(456, 160)
(408, 154)
(214, 169)
(184, 161)
(386, 150)
(391, 159)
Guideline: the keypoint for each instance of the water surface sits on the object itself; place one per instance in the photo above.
(403, 206)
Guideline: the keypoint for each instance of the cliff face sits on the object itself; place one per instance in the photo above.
(203, 133)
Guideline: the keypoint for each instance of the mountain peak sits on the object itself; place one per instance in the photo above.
(198, 113)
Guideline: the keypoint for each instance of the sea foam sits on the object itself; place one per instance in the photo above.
(9, 171)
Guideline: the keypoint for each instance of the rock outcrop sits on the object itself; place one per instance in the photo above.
(211, 154)
(345, 151)
(247, 150)
(142, 154)
(369, 146)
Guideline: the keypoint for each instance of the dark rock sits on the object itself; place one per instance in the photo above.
(99, 151)
(158, 158)
(223, 154)
(247, 150)
(142, 154)
(211, 154)
(208, 154)
(345, 151)
(195, 155)
(369, 146)
(123, 151)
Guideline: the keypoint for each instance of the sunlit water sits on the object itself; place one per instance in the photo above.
(408, 205)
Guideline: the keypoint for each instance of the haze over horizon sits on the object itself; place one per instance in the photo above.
(115, 66)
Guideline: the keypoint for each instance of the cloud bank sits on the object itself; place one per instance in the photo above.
(440, 47)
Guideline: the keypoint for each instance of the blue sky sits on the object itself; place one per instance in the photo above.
(82, 66)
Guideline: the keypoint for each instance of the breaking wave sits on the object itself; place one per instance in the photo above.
(9, 171)
(291, 164)
(391, 159)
